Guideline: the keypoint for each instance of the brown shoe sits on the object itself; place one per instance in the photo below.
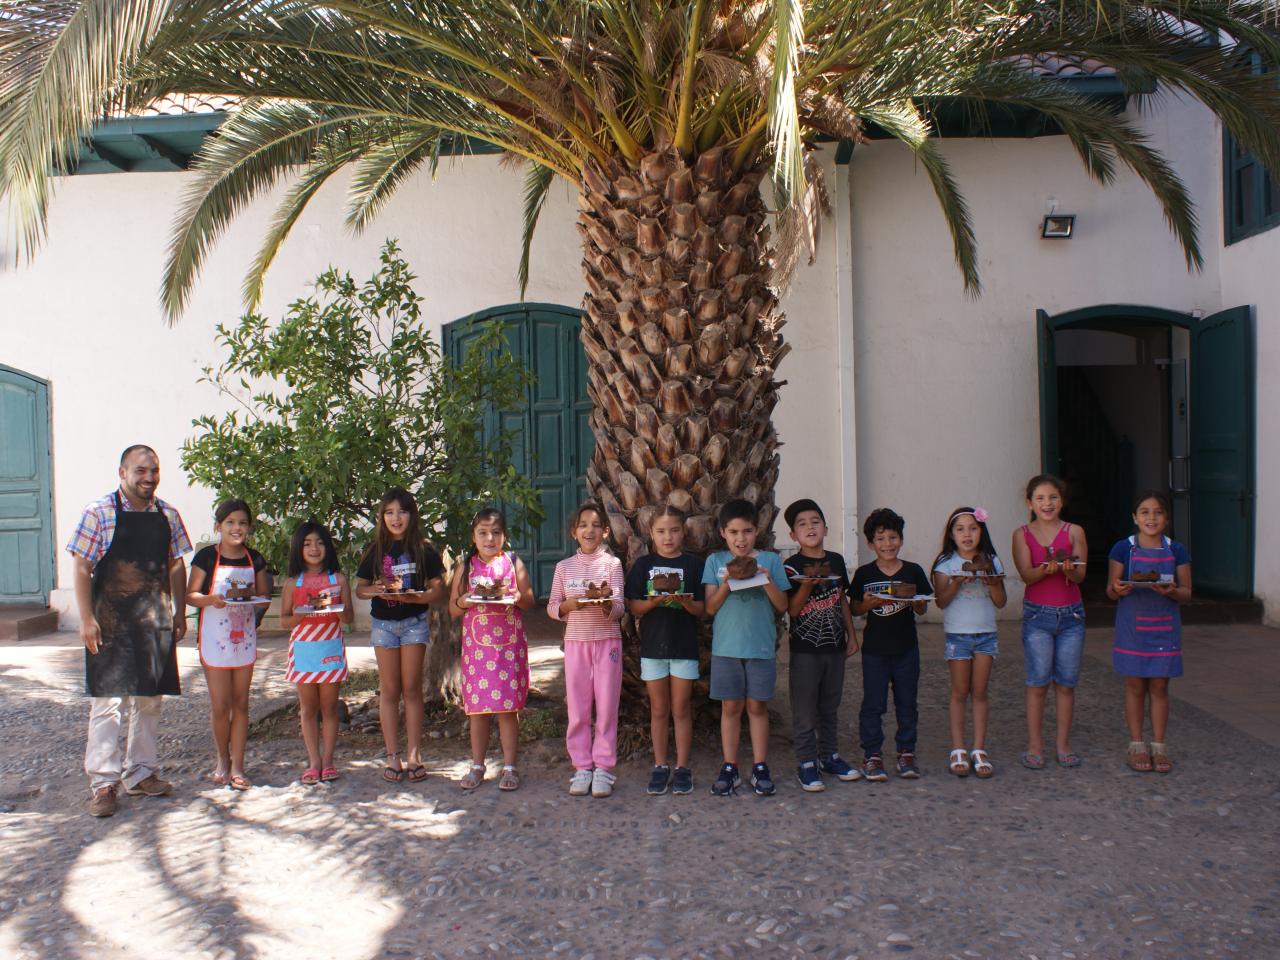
(153, 786)
(103, 802)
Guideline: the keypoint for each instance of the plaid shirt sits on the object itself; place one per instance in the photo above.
(97, 527)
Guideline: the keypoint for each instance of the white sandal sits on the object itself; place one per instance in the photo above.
(959, 762)
(982, 767)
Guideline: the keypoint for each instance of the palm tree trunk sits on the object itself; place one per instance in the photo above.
(681, 337)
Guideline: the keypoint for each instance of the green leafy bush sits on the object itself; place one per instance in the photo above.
(347, 396)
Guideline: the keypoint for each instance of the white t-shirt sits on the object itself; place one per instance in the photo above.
(972, 610)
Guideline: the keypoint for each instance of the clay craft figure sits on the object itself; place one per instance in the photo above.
(980, 565)
(666, 583)
(393, 583)
(1058, 555)
(323, 600)
(1145, 576)
(239, 591)
(818, 571)
(742, 568)
(598, 591)
(488, 590)
(902, 591)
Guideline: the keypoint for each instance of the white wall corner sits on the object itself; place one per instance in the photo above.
(843, 212)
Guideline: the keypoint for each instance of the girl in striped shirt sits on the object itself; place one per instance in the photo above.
(317, 655)
(592, 649)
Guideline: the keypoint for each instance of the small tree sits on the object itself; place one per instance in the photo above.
(350, 395)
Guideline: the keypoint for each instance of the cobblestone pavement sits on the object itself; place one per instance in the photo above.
(1096, 862)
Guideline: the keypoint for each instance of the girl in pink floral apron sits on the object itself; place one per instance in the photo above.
(315, 603)
(491, 590)
(227, 583)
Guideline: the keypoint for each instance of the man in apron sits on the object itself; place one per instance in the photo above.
(130, 583)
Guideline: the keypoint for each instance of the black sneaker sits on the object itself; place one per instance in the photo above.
(761, 782)
(727, 781)
(907, 768)
(873, 769)
(659, 780)
(682, 781)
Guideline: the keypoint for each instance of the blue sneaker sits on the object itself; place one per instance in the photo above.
(659, 780)
(727, 781)
(682, 781)
(873, 768)
(809, 779)
(761, 781)
(838, 768)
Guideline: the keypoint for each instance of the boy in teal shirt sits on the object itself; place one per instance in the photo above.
(743, 643)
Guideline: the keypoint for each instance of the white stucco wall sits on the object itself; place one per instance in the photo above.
(84, 313)
(947, 385)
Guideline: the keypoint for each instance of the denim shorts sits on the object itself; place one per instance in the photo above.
(962, 646)
(392, 634)
(1052, 643)
(736, 678)
(653, 668)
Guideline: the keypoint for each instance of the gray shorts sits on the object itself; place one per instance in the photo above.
(735, 678)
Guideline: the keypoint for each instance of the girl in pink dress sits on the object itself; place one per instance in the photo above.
(491, 590)
(317, 654)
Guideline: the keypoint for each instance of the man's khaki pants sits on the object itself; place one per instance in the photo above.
(122, 740)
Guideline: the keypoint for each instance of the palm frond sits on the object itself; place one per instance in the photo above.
(537, 182)
(382, 169)
(786, 139)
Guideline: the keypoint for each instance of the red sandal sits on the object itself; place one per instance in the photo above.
(310, 777)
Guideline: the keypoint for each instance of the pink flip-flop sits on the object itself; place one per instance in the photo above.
(310, 776)
(329, 773)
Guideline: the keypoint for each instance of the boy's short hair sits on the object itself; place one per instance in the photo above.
(737, 510)
(802, 506)
(882, 519)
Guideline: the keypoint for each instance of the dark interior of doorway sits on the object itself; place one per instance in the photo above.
(1120, 408)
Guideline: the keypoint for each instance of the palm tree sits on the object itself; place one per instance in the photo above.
(667, 117)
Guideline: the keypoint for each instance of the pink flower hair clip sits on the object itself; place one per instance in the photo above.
(980, 515)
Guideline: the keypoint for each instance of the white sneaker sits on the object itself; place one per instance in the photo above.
(580, 785)
(602, 783)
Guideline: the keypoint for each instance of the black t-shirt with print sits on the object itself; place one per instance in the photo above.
(891, 629)
(667, 632)
(819, 626)
(399, 556)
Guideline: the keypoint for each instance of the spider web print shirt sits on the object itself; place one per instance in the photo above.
(819, 627)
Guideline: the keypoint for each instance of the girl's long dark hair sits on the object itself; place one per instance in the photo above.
(298, 566)
(596, 507)
(383, 541)
(985, 544)
(1040, 480)
(228, 507)
(483, 514)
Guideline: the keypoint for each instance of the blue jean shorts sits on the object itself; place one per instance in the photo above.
(736, 678)
(393, 634)
(1052, 643)
(962, 646)
(653, 668)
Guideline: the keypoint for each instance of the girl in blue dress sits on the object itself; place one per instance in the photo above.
(1149, 575)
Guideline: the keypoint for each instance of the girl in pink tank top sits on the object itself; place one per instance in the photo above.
(1050, 555)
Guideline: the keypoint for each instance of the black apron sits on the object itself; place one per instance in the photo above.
(133, 604)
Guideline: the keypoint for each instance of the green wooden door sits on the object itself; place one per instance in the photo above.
(553, 441)
(1222, 452)
(26, 521)
(1050, 458)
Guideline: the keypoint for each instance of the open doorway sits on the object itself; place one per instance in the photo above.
(1133, 397)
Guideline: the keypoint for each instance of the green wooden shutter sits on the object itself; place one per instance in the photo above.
(26, 513)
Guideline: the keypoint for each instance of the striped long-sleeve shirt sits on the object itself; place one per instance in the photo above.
(572, 574)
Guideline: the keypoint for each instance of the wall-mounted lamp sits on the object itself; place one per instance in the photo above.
(1058, 226)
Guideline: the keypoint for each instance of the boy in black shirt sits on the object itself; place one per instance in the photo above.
(890, 649)
(821, 631)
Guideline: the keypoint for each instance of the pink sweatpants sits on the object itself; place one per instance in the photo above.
(593, 675)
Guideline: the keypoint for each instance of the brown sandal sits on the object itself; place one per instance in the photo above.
(1139, 757)
(473, 778)
(1159, 759)
(510, 779)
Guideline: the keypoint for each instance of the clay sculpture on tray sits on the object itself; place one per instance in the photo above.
(1058, 555)
(323, 600)
(980, 565)
(904, 591)
(239, 591)
(742, 568)
(818, 570)
(393, 583)
(666, 582)
(598, 591)
(487, 589)
(1145, 576)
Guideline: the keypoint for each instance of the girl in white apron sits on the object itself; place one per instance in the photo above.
(315, 603)
(225, 580)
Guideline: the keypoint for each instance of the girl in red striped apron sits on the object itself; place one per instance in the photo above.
(225, 578)
(1149, 575)
(315, 602)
